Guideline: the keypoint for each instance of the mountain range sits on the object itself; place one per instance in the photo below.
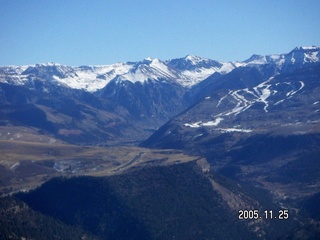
(126, 102)
(187, 71)
(189, 139)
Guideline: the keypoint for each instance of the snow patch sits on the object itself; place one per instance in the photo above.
(227, 130)
(193, 125)
(199, 135)
(229, 66)
(204, 124)
(264, 93)
(309, 48)
(213, 123)
(14, 166)
(291, 93)
(242, 103)
(221, 99)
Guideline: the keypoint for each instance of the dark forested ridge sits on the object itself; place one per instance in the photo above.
(158, 203)
(180, 201)
(18, 221)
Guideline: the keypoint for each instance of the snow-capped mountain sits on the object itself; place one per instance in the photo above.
(264, 95)
(287, 62)
(187, 71)
(93, 78)
(194, 69)
(300, 56)
(148, 69)
(274, 94)
(143, 95)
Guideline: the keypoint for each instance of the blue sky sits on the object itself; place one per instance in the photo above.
(80, 32)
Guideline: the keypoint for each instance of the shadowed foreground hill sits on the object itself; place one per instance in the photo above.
(19, 221)
(172, 202)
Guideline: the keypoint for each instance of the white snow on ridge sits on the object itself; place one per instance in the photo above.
(15, 73)
(309, 48)
(226, 130)
(245, 98)
(313, 57)
(190, 78)
(93, 78)
(90, 78)
(264, 93)
(193, 125)
(14, 166)
(205, 124)
(152, 69)
(15, 80)
(291, 93)
(263, 97)
(194, 59)
(215, 123)
(229, 66)
(242, 103)
(224, 97)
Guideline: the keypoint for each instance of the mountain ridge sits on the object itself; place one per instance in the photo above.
(187, 71)
(127, 102)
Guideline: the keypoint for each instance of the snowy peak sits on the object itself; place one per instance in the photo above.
(255, 58)
(201, 62)
(298, 57)
(191, 62)
(305, 54)
(50, 70)
(149, 69)
(194, 69)
(307, 48)
(92, 78)
(186, 71)
(301, 56)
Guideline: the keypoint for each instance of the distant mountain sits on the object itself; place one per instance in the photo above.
(297, 57)
(123, 102)
(126, 102)
(185, 71)
(267, 95)
(244, 102)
